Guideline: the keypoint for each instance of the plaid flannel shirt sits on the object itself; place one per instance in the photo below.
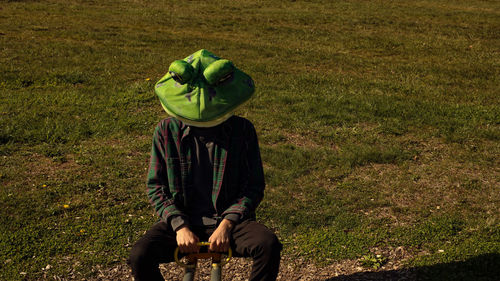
(238, 178)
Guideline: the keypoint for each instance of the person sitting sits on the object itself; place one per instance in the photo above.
(205, 176)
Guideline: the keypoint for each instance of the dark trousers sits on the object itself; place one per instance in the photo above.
(248, 239)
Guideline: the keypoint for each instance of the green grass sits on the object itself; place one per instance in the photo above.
(379, 125)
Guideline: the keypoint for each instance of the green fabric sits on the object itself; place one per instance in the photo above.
(208, 89)
(216, 72)
(182, 69)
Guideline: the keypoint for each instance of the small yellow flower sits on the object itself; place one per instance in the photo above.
(147, 79)
(44, 185)
(82, 230)
(65, 206)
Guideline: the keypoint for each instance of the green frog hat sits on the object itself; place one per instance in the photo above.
(203, 90)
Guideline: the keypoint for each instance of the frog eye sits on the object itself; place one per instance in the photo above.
(181, 71)
(219, 72)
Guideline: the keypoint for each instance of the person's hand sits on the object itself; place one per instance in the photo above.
(187, 241)
(220, 239)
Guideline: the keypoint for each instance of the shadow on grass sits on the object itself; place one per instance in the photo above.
(480, 268)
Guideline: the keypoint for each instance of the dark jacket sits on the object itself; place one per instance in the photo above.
(238, 182)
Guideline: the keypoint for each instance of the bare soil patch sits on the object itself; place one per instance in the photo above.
(291, 269)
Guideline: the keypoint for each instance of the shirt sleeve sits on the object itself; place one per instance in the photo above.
(252, 192)
(235, 218)
(178, 221)
(159, 193)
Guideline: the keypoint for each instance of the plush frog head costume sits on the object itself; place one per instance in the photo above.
(203, 90)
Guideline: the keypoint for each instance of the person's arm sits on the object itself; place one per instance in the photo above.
(160, 193)
(252, 193)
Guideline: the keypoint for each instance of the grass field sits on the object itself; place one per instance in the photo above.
(379, 126)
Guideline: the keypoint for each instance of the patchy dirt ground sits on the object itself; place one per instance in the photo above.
(238, 269)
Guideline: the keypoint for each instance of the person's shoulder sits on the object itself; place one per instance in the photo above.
(240, 121)
(169, 121)
(243, 126)
(169, 124)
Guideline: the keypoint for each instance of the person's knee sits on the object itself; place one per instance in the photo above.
(138, 255)
(274, 244)
(269, 244)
